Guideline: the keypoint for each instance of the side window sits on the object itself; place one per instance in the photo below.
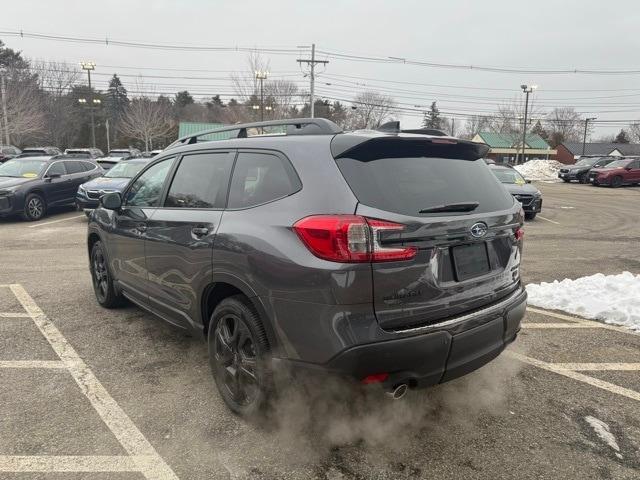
(201, 181)
(635, 164)
(88, 166)
(260, 178)
(147, 189)
(74, 167)
(57, 169)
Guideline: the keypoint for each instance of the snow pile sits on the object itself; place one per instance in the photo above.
(608, 298)
(544, 170)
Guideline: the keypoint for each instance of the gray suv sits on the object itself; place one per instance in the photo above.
(387, 257)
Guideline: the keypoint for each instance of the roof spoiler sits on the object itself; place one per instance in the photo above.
(394, 127)
(294, 126)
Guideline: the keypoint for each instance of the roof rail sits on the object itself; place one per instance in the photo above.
(295, 126)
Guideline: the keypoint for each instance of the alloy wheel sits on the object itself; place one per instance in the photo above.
(236, 363)
(100, 274)
(35, 208)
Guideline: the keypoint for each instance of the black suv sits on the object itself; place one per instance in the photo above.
(384, 256)
(580, 170)
(30, 185)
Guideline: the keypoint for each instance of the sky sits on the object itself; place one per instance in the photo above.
(516, 35)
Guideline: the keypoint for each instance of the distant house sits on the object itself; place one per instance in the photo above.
(191, 128)
(505, 146)
(569, 152)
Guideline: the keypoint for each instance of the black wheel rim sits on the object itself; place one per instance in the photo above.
(617, 181)
(35, 207)
(236, 363)
(100, 274)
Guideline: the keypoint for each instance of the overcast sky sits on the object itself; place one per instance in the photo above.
(558, 34)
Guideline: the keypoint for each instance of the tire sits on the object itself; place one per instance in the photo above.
(616, 181)
(101, 278)
(566, 180)
(530, 215)
(584, 178)
(35, 207)
(239, 356)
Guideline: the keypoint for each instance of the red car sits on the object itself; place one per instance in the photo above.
(625, 171)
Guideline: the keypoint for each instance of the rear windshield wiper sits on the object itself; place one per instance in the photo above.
(452, 207)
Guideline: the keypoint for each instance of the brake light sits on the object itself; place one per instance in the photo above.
(350, 239)
(375, 378)
(519, 233)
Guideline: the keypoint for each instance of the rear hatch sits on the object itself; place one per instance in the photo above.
(462, 221)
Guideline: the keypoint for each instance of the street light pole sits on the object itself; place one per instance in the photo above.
(262, 76)
(88, 66)
(527, 89)
(584, 139)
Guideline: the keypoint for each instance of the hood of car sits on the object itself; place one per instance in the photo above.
(6, 182)
(526, 189)
(106, 183)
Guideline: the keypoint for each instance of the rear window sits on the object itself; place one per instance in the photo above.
(407, 185)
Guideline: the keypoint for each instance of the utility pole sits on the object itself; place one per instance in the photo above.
(262, 76)
(106, 125)
(527, 89)
(3, 92)
(88, 66)
(584, 139)
(453, 126)
(312, 74)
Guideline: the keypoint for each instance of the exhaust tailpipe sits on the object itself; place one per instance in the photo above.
(398, 391)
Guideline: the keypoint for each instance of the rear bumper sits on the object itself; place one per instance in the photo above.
(436, 353)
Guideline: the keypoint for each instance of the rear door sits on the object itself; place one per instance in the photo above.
(633, 174)
(55, 189)
(465, 259)
(180, 234)
(77, 175)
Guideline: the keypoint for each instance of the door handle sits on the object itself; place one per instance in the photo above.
(199, 231)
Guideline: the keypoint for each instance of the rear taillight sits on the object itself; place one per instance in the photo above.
(519, 233)
(350, 239)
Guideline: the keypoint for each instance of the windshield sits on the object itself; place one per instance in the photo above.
(618, 163)
(124, 170)
(587, 162)
(509, 176)
(22, 168)
(419, 186)
(116, 153)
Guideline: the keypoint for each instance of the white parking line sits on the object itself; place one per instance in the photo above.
(32, 364)
(548, 220)
(595, 382)
(582, 321)
(141, 452)
(54, 221)
(14, 315)
(621, 367)
(557, 325)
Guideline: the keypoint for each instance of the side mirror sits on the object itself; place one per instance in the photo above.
(528, 181)
(111, 201)
(51, 176)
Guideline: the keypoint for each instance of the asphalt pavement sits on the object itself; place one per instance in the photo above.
(90, 393)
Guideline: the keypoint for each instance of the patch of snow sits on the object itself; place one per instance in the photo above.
(541, 170)
(609, 298)
(603, 431)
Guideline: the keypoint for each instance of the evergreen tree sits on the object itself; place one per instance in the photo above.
(432, 118)
(182, 99)
(538, 129)
(622, 137)
(116, 104)
(11, 59)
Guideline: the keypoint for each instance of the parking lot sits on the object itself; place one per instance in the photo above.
(97, 394)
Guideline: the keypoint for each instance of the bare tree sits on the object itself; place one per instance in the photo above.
(370, 109)
(476, 124)
(56, 78)
(24, 105)
(145, 120)
(564, 124)
(634, 131)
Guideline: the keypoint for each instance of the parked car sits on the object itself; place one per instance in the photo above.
(580, 170)
(107, 163)
(114, 180)
(387, 257)
(124, 153)
(91, 152)
(40, 152)
(31, 185)
(8, 151)
(625, 171)
(522, 190)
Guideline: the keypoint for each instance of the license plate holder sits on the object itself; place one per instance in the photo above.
(471, 260)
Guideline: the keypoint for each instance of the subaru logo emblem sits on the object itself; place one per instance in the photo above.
(479, 229)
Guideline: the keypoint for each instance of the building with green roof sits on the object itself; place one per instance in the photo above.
(506, 146)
